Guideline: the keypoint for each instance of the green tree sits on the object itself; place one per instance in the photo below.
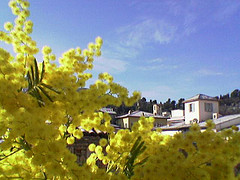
(235, 93)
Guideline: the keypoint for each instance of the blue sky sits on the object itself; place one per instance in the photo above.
(163, 48)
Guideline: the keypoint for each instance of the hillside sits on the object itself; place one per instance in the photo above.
(229, 104)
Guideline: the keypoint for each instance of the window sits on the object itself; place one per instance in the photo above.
(191, 107)
(208, 107)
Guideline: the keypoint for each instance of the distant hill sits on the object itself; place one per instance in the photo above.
(229, 104)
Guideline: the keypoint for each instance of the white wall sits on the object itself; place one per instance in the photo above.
(227, 124)
(189, 116)
(199, 113)
(126, 122)
(171, 133)
(177, 113)
(208, 115)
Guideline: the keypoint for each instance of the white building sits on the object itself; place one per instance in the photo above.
(200, 108)
(177, 116)
(157, 109)
(224, 122)
(127, 120)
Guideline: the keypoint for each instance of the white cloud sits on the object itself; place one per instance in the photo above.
(207, 72)
(157, 64)
(161, 67)
(196, 15)
(180, 19)
(150, 68)
(147, 31)
(156, 60)
(163, 35)
(112, 66)
(119, 51)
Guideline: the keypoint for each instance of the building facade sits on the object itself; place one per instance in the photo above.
(177, 116)
(127, 120)
(200, 108)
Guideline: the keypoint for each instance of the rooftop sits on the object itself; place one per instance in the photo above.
(222, 119)
(176, 126)
(108, 110)
(141, 113)
(177, 118)
(200, 97)
(182, 125)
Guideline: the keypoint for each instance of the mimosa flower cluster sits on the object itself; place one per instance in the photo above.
(44, 105)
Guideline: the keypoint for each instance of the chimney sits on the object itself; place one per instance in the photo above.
(157, 109)
(215, 116)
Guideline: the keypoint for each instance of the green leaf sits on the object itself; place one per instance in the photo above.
(35, 85)
(137, 149)
(136, 144)
(36, 80)
(32, 72)
(50, 87)
(142, 150)
(43, 71)
(141, 162)
(45, 93)
(30, 85)
(37, 94)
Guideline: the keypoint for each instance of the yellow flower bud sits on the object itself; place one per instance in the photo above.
(79, 51)
(98, 53)
(8, 39)
(92, 147)
(85, 52)
(98, 149)
(62, 128)
(71, 128)
(52, 57)
(19, 1)
(77, 133)
(90, 66)
(91, 46)
(103, 142)
(12, 4)
(25, 4)
(99, 40)
(46, 50)
(16, 10)
(8, 26)
(25, 13)
(28, 29)
(17, 28)
(70, 140)
(19, 21)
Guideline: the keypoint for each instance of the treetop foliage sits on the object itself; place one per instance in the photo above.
(228, 104)
(42, 110)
